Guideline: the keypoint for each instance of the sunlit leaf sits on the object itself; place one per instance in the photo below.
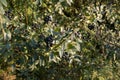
(61, 0)
(69, 2)
(73, 52)
(101, 78)
(9, 35)
(70, 46)
(77, 46)
(1, 9)
(41, 1)
(4, 2)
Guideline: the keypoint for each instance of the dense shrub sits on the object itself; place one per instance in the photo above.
(60, 39)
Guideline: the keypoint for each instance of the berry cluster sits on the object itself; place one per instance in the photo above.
(49, 41)
(110, 26)
(86, 36)
(91, 27)
(34, 26)
(47, 19)
(65, 56)
(99, 48)
(67, 14)
(9, 14)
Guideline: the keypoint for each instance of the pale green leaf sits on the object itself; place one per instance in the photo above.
(9, 35)
(70, 46)
(5, 36)
(4, 2)
(101, 78)
(60, 53)
(41, 1)
(61, 0)
(77, 46)
(1, 9)
(69, 2)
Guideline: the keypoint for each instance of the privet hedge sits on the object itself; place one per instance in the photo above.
(60, 39)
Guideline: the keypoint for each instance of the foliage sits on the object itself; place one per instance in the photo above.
(60, 39)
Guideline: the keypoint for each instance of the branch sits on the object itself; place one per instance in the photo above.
(114, 44)
(64, 38)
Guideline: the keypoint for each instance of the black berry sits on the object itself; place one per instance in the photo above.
(98, 46)
(49, 41)
(65, 56)
(47, 19)
(34, 26)
(86, 36)
(110, 26)
(9, 14)
(67, 14)
(91, 27)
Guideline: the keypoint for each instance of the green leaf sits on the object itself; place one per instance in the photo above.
(60, 53)
(51, 56)
(1, 9)
(69, 2)
(61, 0)
(101, 78)
(77, 46)
(32, 67)
(4, 2)
(41, 61)
(7, 35)
(8, 46)
(71, 46)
